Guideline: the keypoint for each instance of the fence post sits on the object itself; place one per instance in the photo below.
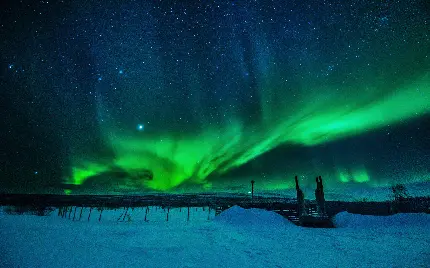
(101, 211)
(252, 190)
(188, 217)
(74, 213)
(167, 216)
(80, 215)
(89, 215)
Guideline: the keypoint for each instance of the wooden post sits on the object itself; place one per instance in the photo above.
(300, 199)
(123, 218)
(319, 196)
(89, 215)
(80, 215)
(252, 190)
(146, 213)
(74, 213)
(120, 216)
(101, 211)
(167, 216)
(188, 217)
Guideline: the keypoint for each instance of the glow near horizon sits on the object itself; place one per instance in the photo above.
(192, 158)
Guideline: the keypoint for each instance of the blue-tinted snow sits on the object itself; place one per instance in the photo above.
(33, 241)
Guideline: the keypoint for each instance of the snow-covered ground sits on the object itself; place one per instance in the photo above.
(235, 238)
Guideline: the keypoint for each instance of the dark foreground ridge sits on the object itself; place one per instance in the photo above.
(161, 200)
(284, 206)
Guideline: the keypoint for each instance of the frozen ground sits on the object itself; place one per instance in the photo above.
(236, 238)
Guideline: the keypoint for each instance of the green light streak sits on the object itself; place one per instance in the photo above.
(357, 175)
(336, 118)
(343, 121)
(361, 176)
(67, 191)
(343, 177)
(86, 170)
(175, 159)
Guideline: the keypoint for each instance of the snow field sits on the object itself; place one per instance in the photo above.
(235, 238)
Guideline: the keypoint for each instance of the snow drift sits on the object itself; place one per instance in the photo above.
(53, 241)
(252, 217)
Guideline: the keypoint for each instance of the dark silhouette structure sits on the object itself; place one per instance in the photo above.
(319, 196)
(252, 189)
(300, 200)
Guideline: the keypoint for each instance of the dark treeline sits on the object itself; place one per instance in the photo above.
(409, 205)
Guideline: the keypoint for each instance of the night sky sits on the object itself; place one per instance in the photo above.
(141, 96)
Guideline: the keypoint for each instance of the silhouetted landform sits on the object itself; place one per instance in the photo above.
(315, 221)
(319, 196)
(310, 215)
(116, 201)
(300, 199)
(286, 207)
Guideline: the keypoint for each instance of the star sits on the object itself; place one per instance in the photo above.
(140, 127)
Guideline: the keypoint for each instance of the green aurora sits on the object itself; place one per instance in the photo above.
(189, 96)
(195, 157)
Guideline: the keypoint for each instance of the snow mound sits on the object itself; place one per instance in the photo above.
(251, 217)
(345, 219)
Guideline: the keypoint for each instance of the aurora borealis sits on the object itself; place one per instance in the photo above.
(138, 96)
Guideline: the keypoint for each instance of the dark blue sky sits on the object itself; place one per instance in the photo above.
(245, 81)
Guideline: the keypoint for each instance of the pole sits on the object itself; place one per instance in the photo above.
(252, 189)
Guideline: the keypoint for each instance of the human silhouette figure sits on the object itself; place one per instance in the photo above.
(319, 196)
(300, 199)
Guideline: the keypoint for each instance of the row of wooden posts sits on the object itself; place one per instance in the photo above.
(301, 210)
(66, 212)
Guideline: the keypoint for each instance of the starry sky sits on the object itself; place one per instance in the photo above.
(203, 96)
